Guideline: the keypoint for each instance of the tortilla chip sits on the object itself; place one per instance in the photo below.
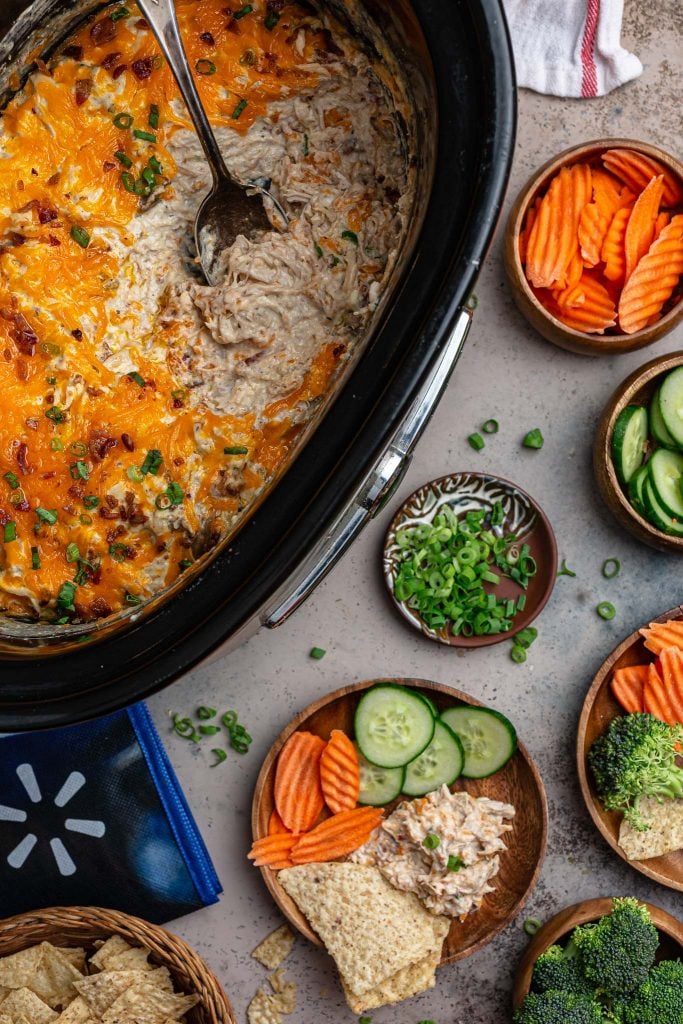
(114, 946)
(22, 1002)
(75, 955)
(665, 834)
(77, 1012)
(275, 949)
(263, 1009)
(100, 991)
(407, 982)
(285, 992)
(371, 930)
(44, 970)
(147, 1003)
(131, 960)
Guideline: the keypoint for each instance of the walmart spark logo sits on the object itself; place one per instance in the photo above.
(85, 826)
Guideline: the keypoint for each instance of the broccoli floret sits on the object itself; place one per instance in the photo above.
(659, 1000)
(636, 757)
(559, 1008)
(617, 953)
(558, 969)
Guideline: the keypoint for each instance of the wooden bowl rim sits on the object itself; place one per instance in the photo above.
(414, 683)
(618, 401)
(566, 920)
(528, 193)
(601, 679)
(526, 618)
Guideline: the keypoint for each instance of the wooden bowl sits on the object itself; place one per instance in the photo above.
(637, 389)
(599, 708)
(537, 315)
(558, 928)
(523, 516)
(518, 782)
(83, 926)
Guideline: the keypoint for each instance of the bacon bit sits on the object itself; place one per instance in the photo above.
(141, 23)
(179, 461)
(15, 238)
(20, 185)
(108, 165)
(111, 501)
(111, 60)
(54, 178)
(127, 442)
(73, 51)
(178, 403)
(108, 513)
(103, 31)
(82, 90)
(31, 422)
(7, 355)
(22, 458)
(113, 535)
(100, 446)
(99, 609)
(21, 333)
(22, 506)
(50, 399)
(338, 351)
(22, 374)
(46, 215)
(207, 38)
(5, 517)
(118, 71)
(42, 66)
(32, 204)
(94, 392)
(77, 334)
(53, 240)
(142, 68)
(76, 490)
(137, 517)
(234, 27)
(48, 476)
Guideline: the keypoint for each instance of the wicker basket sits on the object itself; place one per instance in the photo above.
(81, 926)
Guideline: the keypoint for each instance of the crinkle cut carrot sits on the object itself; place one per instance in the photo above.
(659, 635)
(338, 836)
(274, 851)
(586, 307)
(613, 252)
(628, 685)
(671, 662)
(655, 697)
(529, 219)
(553, 238)
(340, 773)
(636, 170)
(298, 793)
(663, 219)
(640, 230)
(608, 192)
(654, 279)
(276, 825)
(593, 226)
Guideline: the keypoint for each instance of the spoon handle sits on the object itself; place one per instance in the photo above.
(162, 19)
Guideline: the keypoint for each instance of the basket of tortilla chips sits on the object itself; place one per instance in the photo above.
(86, 965)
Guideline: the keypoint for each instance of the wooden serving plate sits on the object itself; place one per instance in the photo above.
(599, 708)
(518, 783)
(523, 517)
(559, 927)
(637, 389)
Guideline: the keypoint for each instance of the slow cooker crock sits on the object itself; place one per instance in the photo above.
(459, 61)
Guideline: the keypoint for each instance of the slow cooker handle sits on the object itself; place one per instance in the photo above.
(377, 487)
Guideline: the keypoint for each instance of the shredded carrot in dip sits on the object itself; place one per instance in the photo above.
(142, 411)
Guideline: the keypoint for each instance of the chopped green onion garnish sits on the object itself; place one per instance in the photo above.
(12, 479)
(57, 416)
(79, 471)
(241, 106)
(72, 553)
(153, 119)
(229, 719)
(472, 302)
(65, 597)
(184, 564)
(534, 439)
(531, 925)
(317, 653)
(526, 637)
(35, 558)
(80, 236)
(133, 598)
(179, 394)
(455, 863)
(205, 67)
(220, 756)
(123, 120)
(47, 515)
(78, 448)
(305, 146)
(184, 728)
(10, 531)
(50, 349)
(204, 713)
(611, 568)
(135, 376)
(431, 841)
(606, 610)
(318, 251)
(162, 501)
(134, 474)
(118, 552)
(140, 133)
(85, 519)
(152, 462)
(123, 158)
(175, 493)
(50, 380)
(91, 501)
(148, 177)
(155, 165)
(120, 12)
(128, 182)
(491, 427)
(247, 9)
(476, 441)
(248, 57)
(271, 21)
(209, 730)
(350, 236)
(236, 449)
(565, 570)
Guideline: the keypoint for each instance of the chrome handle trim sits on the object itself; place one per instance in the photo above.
(377, 487)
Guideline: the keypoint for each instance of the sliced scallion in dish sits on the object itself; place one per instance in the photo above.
(239, 109)
(350, 236)
(35, 558)
(47, 515)
(123, 158)
(153, 119)
(236, 449)
(12, 479)
(531, 925)
(243, 11)
(10, 531)
(123, 121)
(152, 462)
(80, 236)
(271, 21)
(205, 67)
(140, 133)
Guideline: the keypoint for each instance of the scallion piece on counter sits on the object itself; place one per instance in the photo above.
(271, 21)
(611, 568)
(518, 654)
(491, 427)
(123, 120)
(120, 12)
(47, 515)
(10, 531)
(205, 713)
(184, 728)
(80, 236)
(565, 570)
(35, 558)
(606, 610)
(140, 133)
(534, 439)
(350, 236)
(91, 501)
(153, 119)
(57, 416)
(72, 553)
(236, 449)
(123, 158)
(476, 441)
(431, 841)
(239, 109)
(205, 67)
(243, 11)
(531, 925)
(79, 471)
(220, 755)
(317, 653)
(137, 378)
(209, 730)
(152, 462)
(12, 479)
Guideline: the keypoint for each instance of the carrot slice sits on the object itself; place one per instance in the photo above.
(276, 825)
(593, 226)
(628, 685)
(298, 793)
(338, 836)
(529, 219)
(274, 851)
(671, 660)
(636, 170)
(654, 279)
(613, 253)
(340, 773)
(587, 306)
(656, 699)
(553, 238)
(640, 230)
(659, 635)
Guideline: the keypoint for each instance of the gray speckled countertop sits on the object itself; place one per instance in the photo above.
(509, 372)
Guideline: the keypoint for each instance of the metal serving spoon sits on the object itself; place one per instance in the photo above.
(228, 210)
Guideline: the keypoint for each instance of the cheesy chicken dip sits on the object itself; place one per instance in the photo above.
(143, 411)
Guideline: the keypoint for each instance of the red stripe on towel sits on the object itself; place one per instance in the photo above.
(589, 78)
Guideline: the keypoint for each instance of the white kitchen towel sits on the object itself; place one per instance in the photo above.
(570, 47)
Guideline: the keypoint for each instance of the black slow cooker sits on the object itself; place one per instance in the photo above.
(458, 62)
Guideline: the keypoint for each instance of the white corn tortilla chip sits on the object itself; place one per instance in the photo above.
(371, 930)
(75, 955)
(407, 982)
(44, 970)
(22, 1002)
(285, 991)
(275, 949)
(665, 834)
(114, 946)
(77, 1012)
(146, 1003)
(101, 990)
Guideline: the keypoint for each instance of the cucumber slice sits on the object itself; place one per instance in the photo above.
(658, 515)
(657, 427)
(379, 786)
(671, 404)
(635, 490)
(432, 706)
(441, 763)
(393, 725)
(628, 441)
(666, 474)
(488, 737)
